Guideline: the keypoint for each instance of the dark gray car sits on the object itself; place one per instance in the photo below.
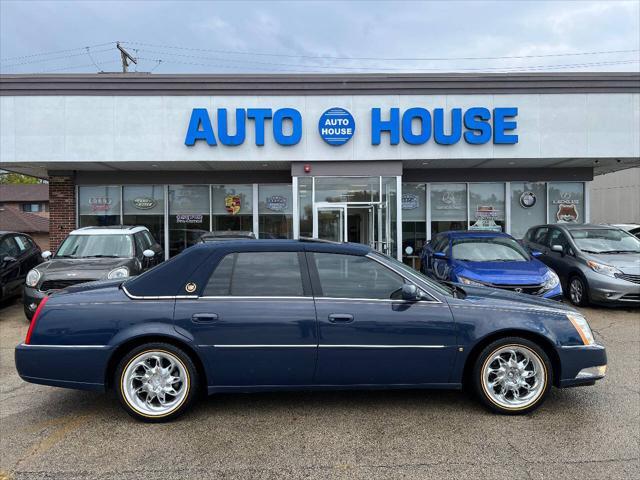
(89, 254)
(595, 263)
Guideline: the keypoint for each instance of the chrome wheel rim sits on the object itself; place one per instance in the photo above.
(155, 383)
(514, 377)
(576, 291)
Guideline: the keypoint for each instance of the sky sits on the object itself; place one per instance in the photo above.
(319, 37)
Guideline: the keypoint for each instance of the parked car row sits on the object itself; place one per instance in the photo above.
(591, 263)
(18, 255)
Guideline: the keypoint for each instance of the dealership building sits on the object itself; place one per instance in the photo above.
(385, 160)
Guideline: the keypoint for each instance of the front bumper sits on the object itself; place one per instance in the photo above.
(603, 289)
(31, 299)
(81, 367)
(582, 364)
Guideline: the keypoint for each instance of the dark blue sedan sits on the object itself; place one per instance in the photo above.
(490, 259)
(279, 314)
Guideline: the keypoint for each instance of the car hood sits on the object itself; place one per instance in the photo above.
(628, 263)
(503, 273)
(80, 268)
(498, 298)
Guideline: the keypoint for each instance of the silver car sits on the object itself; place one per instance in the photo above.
(596, 263)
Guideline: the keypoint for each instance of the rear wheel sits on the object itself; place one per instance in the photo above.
(578, 291)
(512, 376)
(156, 382)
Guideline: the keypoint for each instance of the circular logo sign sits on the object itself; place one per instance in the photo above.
(144, 203)
(528, 199)
(336, 126)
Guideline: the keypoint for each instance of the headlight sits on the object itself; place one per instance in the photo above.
(607, 270)
(33, 277)
(468, 281)
(581, 325)
(120, 272)
(551, 280)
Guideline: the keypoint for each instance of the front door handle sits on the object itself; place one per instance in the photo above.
(204, 317)
(340, 318)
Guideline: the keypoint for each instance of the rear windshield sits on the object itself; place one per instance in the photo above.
(96, 246)
(489, 249)
(605, 240)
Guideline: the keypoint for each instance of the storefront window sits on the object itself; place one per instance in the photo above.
(305, 206)
(414, 223)
(99, 206)
(232, 208)
(448, 205)
(566, 202)
(144, 205)
(347, 189)
(275, 211)
(528, 206)
(188, 215)
(486, 206)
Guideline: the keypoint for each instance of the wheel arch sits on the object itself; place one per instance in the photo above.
(134, 342)
(540, 340)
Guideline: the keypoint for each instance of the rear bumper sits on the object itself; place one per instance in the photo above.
(81, 367)
(578, 362)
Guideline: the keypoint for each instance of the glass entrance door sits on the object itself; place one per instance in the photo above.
(330, 221)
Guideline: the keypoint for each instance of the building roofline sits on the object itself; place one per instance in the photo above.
(146, 84)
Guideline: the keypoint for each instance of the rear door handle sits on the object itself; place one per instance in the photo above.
(340, 318)
(204, 317)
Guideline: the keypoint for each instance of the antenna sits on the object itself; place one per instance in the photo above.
(125, 58)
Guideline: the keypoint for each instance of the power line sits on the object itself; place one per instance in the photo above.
(80, 66)
(433, 59)
(56, 58)
(54, 52)
(501, 69)
(392, 69)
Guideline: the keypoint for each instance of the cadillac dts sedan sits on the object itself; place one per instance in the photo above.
(256, 315)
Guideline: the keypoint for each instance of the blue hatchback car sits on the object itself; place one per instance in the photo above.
(490, 259)
(257, 315)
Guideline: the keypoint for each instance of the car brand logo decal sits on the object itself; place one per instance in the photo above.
(528, 199)
(276, 203)
(232, 204)
(190, 287)
(144, 203)
(410, 201)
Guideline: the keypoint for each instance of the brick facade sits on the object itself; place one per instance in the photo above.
(62, 208)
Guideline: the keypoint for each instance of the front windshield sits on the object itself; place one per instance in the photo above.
(488, 249)
(605, 240)
(410, 272)
(95, 246)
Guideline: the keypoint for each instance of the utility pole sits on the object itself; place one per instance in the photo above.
(125, 58)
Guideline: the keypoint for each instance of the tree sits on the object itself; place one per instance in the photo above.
(18, 178)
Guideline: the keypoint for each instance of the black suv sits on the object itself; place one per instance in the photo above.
(89, 254)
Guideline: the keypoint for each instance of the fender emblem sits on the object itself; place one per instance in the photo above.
(518, 290)
(190, 287)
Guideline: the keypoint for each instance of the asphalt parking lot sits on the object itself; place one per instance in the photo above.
(591, 432)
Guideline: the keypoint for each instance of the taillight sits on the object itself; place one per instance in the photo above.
(27, 340)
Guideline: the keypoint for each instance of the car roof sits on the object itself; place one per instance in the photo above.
(474, 233)
(110, 230)
(580, 226)
(310, 245)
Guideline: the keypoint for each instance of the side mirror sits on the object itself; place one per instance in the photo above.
(149, 253)
(8, 259)
(46, 254)
(557, 248)
(410, 292)
(440, 255)
(536, 253)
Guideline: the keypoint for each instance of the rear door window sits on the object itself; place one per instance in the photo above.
(257, 274)
(540, 235)
(23, 244)
(8, 247)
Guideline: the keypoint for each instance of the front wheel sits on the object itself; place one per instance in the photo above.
(512, 376)
(578, 291)
(156, 382)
